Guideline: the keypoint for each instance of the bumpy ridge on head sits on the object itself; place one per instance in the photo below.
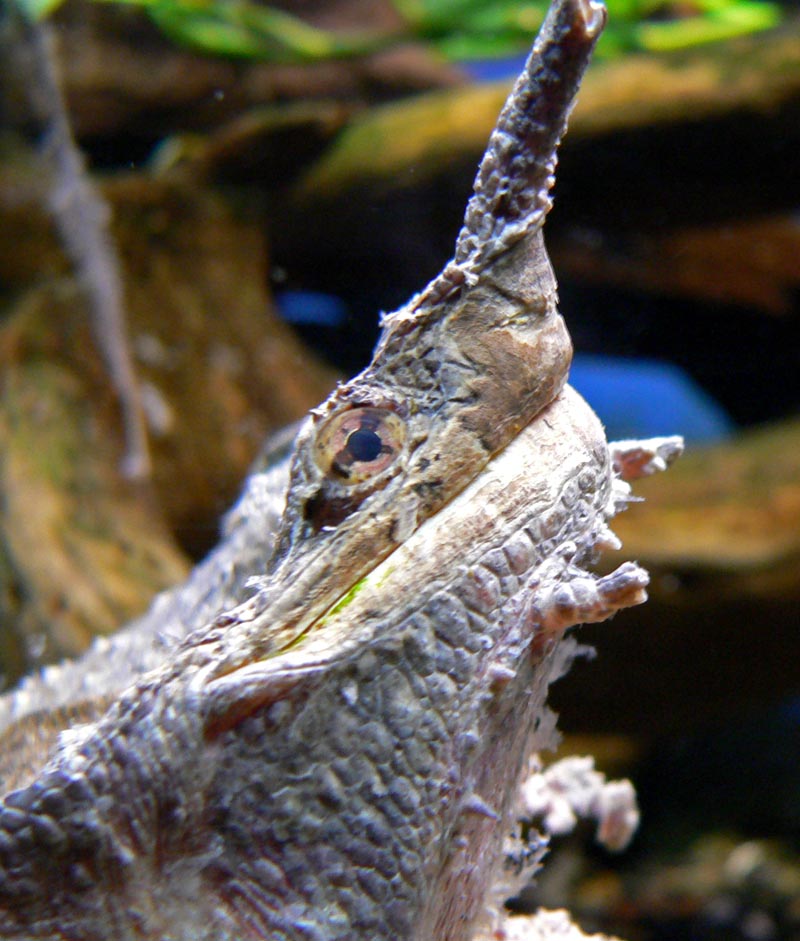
(511, 191)
(512, 187)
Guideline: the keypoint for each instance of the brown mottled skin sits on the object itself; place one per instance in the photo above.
(336, 756)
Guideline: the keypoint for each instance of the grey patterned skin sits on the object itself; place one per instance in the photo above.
(336, 756)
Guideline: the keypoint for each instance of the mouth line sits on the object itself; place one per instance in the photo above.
(491, 512)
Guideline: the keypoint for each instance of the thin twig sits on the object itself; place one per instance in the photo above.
(82, 218)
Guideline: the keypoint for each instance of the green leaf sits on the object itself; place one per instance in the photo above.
(724, 23)
(38, 9)
(239, 29)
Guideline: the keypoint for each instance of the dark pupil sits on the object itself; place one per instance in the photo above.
(364, 445)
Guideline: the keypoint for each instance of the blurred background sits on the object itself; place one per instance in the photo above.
(274, 176)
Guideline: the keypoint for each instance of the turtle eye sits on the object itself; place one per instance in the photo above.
(357, 445)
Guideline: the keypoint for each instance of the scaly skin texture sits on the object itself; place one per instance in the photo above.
(336, 757)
